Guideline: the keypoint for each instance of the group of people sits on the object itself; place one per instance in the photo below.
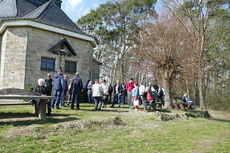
(58, 83)
(100, 94)
(131, 93)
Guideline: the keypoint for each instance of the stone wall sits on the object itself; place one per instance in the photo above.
(0, 51)
(40, 41)
(13, 57)
(21, 52)
(95, 67)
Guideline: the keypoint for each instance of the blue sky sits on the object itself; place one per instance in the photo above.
(77, 8)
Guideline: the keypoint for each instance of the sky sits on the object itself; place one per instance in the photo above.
(75, 9)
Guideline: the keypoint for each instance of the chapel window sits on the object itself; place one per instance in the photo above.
(47, 63)
(70, 67)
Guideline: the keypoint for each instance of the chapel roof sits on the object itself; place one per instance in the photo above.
(43, 11)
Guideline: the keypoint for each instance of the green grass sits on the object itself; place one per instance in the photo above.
(21, 131)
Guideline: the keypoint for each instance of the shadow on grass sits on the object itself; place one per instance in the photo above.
(16, 115)
(214, 119)
(221, 120)
(164, 110)
(104, 110)
(26, 122)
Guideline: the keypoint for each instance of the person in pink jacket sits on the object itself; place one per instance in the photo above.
(129, 88)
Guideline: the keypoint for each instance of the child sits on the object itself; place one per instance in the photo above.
(135, 95)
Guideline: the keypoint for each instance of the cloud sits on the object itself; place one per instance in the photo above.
(83, 11)
(71, 4)
(95, 5)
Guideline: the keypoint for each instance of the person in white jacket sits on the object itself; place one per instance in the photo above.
(97, 95)
(141, 93)
(106, 93)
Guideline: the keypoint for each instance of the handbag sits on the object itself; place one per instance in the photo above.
(136, 102)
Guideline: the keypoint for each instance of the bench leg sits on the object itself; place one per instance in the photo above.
(42, 109)
(36, 108)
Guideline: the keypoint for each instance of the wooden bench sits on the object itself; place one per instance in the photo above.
(179, 104)
(159, 104)
(15, 94)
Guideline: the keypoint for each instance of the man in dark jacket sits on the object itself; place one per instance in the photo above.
(58, 86)
(117, 94)
(76, 85)
(110, 92)
(49, 86)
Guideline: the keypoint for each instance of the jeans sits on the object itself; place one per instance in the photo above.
(63, 98)
(130, 101)
(191, 105)
(151, 103)
(117, 96)
(57, 93)
(90, 98)
(140, 100)
(76, 96)
(161, 99)
(124, 99)
(70, 98)
(49, 103)
(110, 98)
(105, 100)
(98, 102)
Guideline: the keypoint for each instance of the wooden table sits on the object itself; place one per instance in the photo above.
(40, 110)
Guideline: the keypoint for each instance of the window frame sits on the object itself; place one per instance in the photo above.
(48, 59)
(69, 69)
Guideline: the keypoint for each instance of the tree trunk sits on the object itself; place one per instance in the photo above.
(201, 92)
(187, 88)
(167, 84)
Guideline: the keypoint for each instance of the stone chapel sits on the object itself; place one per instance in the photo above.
(36, 38)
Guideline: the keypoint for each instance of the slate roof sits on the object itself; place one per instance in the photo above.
(43, 11)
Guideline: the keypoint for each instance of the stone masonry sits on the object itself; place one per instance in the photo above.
(21, 52)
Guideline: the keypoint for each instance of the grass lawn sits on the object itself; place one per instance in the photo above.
(86, 130)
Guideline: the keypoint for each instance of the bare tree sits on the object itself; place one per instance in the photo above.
(166, 46)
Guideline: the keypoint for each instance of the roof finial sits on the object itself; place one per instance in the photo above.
(57, 3)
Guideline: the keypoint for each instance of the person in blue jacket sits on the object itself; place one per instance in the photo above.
(185, 99)
(135, 95)
(58, 86)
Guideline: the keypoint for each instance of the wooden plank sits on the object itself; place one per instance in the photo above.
(42, 109)
(40, 106)
(25, 97)
(15, 103)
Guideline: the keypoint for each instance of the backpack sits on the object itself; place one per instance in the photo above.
(161, 93)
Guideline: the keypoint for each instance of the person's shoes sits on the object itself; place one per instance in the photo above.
(48, 114)
(63, 106)
(72, 108)
(78, 108)
(58, 108)
(52, 107)
(111, 106)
